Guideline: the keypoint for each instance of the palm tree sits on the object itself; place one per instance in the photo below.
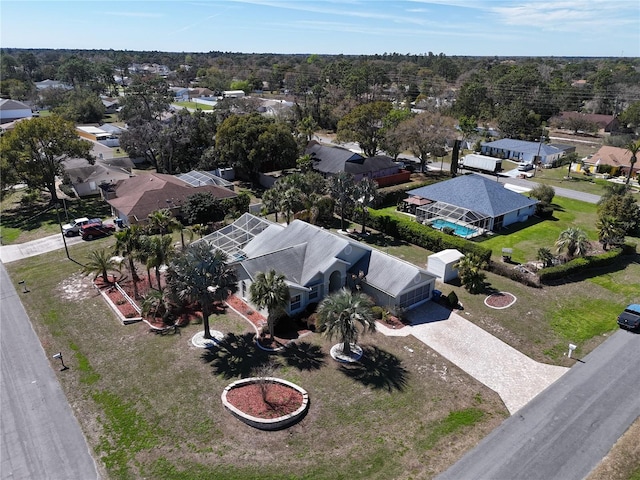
(340, 313)
(100, 262)
(574, 241)
(633, 148)
(200, 274)
(366, 194)
(545, 256)
(128, 245)
(470, 273)
(610, 231)
(341, 188)
(157, 304)
(160, 251)
(163, 222)
(269, 290)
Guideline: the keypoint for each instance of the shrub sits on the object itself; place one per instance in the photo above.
(67, 190)
(378, 312)
(424, 236)
(452, 299)
(581, 264)
(31, 197)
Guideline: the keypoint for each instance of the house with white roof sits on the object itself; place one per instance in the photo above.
(522, 151)
(317, 262)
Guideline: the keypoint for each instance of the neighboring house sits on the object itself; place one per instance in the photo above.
(12, 110)
(274, 108)
(618, 158)
(105, 134)
(316, 262)
(473, 201)
(45, 84)
(180, 94)
(330, 160)
(111, 105)
(87, 179)
(523, 151)
(605, 123)
(133, 199)
(233, 93)
(200, 92)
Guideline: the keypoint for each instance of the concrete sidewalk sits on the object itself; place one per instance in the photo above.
(511, 374)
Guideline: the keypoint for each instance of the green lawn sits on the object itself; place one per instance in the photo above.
(193, 105)
(21, 223)
(526, 238)
(150, 405)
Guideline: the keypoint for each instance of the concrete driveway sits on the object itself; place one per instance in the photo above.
(514, 376)
(11, 253)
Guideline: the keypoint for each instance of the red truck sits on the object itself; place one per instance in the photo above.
(96, 230)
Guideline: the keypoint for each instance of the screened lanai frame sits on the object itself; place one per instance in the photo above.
(453, 213)
(232, 238)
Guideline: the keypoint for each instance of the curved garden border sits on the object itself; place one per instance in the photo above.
(338, 356)
(513, 297)
(267, 423)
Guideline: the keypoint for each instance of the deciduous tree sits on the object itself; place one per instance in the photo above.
(34, 150)
(364, 126)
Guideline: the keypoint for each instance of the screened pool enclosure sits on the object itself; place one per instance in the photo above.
(466, 223)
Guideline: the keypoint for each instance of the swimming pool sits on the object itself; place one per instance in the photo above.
(459, 230)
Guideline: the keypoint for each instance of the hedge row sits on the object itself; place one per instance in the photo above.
(413, 232)
(581, 264)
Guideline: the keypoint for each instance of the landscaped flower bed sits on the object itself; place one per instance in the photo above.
(286, 403)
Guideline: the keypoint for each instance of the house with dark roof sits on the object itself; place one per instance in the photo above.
(330, 160)
(87, 179)
(133, 199)
(12, 110)
(522, 151)
(472, 202)
(605, 123)
(316, 262)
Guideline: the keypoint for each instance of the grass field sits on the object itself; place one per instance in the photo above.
(150, 405)
(21, 223)
(193, 105)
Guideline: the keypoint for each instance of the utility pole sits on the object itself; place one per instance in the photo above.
(64, 237)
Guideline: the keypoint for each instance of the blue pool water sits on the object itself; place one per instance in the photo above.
(459, 230)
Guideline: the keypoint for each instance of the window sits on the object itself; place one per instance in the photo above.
(295, 303)
(315, 291)
(414, 296)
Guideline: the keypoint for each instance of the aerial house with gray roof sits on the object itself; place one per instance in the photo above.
(316, 262)
(471, 204)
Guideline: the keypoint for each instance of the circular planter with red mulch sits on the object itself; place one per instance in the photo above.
(286, 403)
(500, 300)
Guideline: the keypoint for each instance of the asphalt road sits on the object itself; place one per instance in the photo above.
(40, 439)
(565, 431)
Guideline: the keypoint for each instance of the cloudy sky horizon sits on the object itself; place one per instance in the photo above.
(583, 28)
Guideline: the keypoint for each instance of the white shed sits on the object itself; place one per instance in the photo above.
(441, 264)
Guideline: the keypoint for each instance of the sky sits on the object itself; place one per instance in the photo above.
(586, 28)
